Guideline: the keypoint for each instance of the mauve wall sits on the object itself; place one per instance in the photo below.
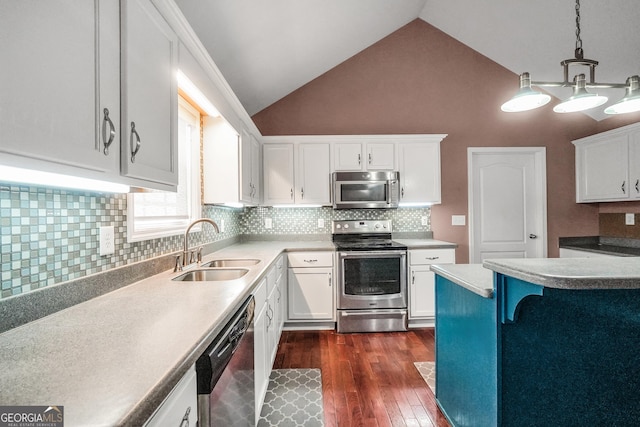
(420, 80)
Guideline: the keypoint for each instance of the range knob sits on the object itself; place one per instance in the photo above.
(377, 226)
(338, 225)
(346, 226)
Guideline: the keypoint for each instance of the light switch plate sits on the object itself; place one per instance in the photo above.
(268, 223)
(630, 219)
(320, 222)
(458, 220)
(222, 225)
(424, 220)
(107, 245)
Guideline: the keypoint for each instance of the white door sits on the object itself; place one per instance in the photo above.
(507, 203)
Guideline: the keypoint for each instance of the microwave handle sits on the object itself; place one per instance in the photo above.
(389, 184)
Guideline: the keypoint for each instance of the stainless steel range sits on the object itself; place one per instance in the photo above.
(372, 277)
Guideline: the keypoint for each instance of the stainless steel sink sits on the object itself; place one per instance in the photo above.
(241, 262)
(212, 275)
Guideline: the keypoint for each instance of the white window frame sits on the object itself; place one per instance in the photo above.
(139, 229)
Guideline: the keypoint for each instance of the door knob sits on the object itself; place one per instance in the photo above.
(533, 236)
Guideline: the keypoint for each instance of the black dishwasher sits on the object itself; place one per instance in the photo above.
(225, 374)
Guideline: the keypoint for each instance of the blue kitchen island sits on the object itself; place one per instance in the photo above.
(539, 342)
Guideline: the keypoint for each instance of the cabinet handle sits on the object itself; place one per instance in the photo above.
(623, 185)
(359, 159)
(402, 192)
(310, 260)
(292, 194)
(432, 257)
(329, 279)
(136, 148)
(112, 131)
(637, 183)
(369, 158)
(185, 419)
(268, 316)
(302, 193)
(413, 277)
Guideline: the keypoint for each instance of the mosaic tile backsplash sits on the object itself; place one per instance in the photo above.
(49, 236)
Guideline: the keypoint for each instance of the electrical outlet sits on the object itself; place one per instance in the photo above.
(630, 219)
(107, 245)
(268, 223)
(320, 223)
(222, 225)
(424, 220)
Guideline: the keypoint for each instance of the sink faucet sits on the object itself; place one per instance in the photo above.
(186, 252)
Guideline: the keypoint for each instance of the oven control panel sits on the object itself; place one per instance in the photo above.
(361, 226)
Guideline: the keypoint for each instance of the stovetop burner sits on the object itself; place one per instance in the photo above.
(364, 235)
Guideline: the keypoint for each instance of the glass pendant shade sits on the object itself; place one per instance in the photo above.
(581, 99)
(526, 98)
(631, 101)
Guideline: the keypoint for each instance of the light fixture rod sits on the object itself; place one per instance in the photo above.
(587, 84)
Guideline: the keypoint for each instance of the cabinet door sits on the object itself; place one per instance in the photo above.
(60, 72)
(602, 169)
(422, 298)
(419, 166)
(246, 178)
(261, 355)
(381, 156)
(348, 157)
(313, 182)
(149, 95)
(180, 405)
(310, 294)
(256, 174)
(634, 165)
(278, 174)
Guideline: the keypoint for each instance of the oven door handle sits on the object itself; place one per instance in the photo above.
(369, 312)
(368, 254)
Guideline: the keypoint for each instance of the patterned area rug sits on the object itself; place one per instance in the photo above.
(428, 372)
(294, 398)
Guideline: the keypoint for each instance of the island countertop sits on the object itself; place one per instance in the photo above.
(473, 277)
(572, 273)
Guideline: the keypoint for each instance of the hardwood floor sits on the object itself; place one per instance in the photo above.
(367, 379)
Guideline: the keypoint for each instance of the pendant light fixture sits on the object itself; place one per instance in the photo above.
(528, 99)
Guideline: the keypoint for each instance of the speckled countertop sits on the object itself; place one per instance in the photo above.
(426, 243)
(113, 359)
(572, 273)
(603, 245)
(473, 277)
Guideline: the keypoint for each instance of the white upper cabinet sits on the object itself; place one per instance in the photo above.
(419, 166)
(60, 102)
(297, 173)
(313, 175)
(279, 179)
(250, 168)
(608, 166)
(350, 156)
(149, 92)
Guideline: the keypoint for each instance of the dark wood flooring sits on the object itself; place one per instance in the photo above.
(367, 379)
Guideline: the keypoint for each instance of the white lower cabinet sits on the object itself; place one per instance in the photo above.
(422, 281)
(267, 325)
(311, 294)
(181, 406)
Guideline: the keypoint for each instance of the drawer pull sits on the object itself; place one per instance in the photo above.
(431, 258)
(310, 260)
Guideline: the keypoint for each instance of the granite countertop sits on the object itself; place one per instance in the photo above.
(473, 277)
(603, 245)
(113, 359)
(572, 273)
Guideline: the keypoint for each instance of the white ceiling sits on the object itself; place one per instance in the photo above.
(267, 49)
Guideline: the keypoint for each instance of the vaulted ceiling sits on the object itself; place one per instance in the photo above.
(267, 49)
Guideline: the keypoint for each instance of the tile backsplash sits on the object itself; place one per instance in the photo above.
(49, 236)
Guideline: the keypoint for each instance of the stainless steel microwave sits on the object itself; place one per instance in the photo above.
(366, 190)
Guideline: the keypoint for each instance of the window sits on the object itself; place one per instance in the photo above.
(153, 213)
